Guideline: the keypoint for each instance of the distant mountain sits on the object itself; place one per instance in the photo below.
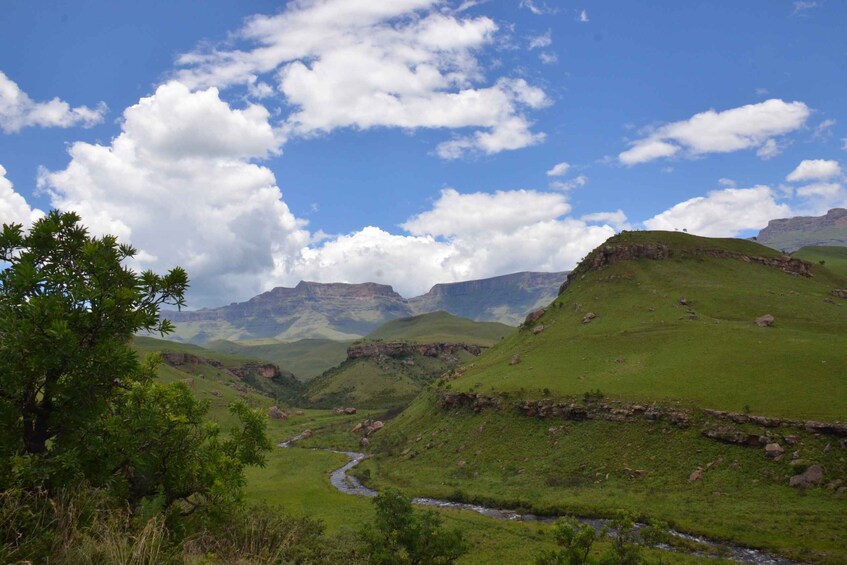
(790, 234)
(505, 299)
(341, 312)
(441, 327)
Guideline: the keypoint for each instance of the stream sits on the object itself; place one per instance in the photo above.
(348, 484)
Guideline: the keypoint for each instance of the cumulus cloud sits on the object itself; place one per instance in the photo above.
(13, 207)
(179, 184)
(616, 219)
(539, 41)
(814, 169)
(746, 127)
(18, 110)
(362, 64)
(559, 169)
(722, 213)
(463, 236)
(548, 57)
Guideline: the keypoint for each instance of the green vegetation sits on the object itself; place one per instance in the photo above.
(306, 358)
(834, 257)
(441, 327)
(678, 333)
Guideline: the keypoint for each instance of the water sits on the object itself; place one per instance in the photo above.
(347, 484)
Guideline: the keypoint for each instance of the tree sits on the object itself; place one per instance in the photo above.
(68, 310)
(402, 536)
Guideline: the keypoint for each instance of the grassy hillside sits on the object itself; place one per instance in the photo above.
(441, 327)
(219, 384)
(644, 345)
(306, 358)
(677, 333)
(834, 258)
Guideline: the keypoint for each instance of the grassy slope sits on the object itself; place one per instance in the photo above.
(643, 346)
(835, 257)
(306, 358)
(441, 327)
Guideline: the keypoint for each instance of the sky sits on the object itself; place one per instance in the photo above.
(415, 142)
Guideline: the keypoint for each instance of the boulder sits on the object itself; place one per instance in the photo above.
(696, 475)
(808, 478)
(765, 321)
(839, 292)
(276, 414)
(534, 316)
(516, 358)
(364, 442)
(774, 450)
(588, 317)
(538, 329)
(349, 411)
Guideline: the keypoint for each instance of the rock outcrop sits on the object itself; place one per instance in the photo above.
(397, 349)
(790, 234)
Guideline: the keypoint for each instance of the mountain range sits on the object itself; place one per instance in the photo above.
(790, 234)
(341, 311)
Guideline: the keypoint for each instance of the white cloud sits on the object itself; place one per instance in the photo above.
(177, 183)
(548, 57)
(463, 236)
(722, 213)
(616, 219)
(558, 169)
(750, 126)
(540, 41)
(828, 190)
(363, 64)
(583, 16)
(801, 6)
(814, 169)
(762, 92)
(769, 150)
(539, 8)
(18, 110)
(13, 207)
(577, 182)
(824, 129)
(727, 182)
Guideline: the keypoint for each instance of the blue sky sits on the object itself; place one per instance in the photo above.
(415, 141)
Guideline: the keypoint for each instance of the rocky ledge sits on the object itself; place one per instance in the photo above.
(396, 349)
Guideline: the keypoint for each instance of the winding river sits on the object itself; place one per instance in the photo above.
(346, 483)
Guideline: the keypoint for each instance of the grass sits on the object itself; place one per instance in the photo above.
(834, 258)
(644, 345)
(306, 358)
(441, 327)
(502, 459)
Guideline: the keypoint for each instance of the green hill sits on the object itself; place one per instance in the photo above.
(306, 358)
(834, 258)
(647, 386)
(222, 378)
(393, 364)
(441, 327)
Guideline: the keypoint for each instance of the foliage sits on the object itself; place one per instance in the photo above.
(574, 539)
(68, 308)
(401, 535)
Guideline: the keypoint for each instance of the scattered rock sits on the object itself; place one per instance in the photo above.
(349, 410)
(306, 434)
(839, 292)
(276, 414)
(765, 321)
(377, 425)
(364, 442)
(538, 329)
(298, 413)
(790, 440)
(634, 473)
(683, 301)
(774, 450)
(835, 485)
(357, 428)
(516, 358)
(534, 316)
(338, 411)
(696, 475)
(809, 478)
(588, 317)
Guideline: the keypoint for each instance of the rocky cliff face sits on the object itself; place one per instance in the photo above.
(790, 234)
(504, 299)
